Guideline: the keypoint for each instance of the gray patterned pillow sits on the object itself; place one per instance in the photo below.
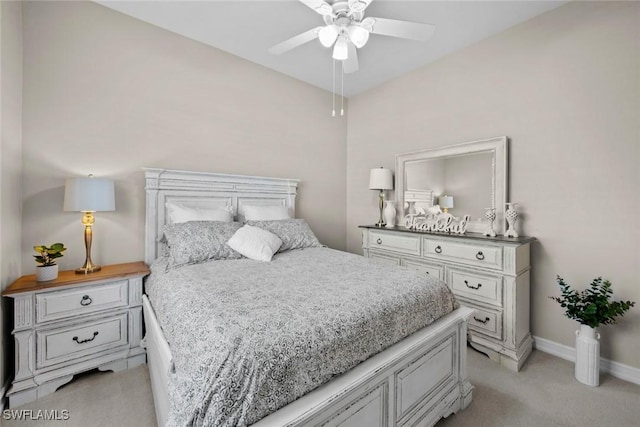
(294, 233)
(197, 241)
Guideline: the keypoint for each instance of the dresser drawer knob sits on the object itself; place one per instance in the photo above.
(486, 319)
(480, 255)
(438, 249)
(95, 334)
(379, 241)
(86, 300)
(471, 286)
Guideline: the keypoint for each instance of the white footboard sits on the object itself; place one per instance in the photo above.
(413, 383)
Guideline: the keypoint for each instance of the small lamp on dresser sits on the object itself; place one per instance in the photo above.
(89, 195)
(381, 179)
(446, 203)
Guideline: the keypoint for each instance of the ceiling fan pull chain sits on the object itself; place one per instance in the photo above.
(342, 89)
(333, 91)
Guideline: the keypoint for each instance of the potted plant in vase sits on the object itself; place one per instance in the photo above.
(592, 308)
(48, 269)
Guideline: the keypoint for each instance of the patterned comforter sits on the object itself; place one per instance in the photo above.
(249, 337)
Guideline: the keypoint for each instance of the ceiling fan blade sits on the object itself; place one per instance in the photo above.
(402, 29)
(318, 6)
(295, 41)
(350, 65)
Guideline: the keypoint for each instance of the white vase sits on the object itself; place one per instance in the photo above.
(512, 217)
(588, 356)
(390, 214)
(490, 215)
(46, 273)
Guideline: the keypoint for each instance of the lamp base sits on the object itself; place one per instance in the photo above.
(380, 224)
(88, 270)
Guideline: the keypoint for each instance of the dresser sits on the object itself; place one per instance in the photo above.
(489, 275)
(73, 324)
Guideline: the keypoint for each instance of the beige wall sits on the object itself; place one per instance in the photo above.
(565, 87)
(107, 94)
(10, 164)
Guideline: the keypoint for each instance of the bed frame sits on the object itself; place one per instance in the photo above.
(415, 382)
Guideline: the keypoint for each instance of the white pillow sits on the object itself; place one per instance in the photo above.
(265, 213)
(255, 243)
(180, 213)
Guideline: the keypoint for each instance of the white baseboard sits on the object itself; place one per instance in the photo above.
(618, 370)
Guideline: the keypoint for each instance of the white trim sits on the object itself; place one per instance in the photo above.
(616, 369)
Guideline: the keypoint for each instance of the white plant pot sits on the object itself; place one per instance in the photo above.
(46, 273)
(390, 214)
(588, 356)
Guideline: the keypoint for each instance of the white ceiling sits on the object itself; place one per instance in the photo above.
(249, 28)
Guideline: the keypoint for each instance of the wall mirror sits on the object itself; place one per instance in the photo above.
(472, 174)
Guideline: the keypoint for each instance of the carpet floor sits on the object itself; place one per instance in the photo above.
(543, 394)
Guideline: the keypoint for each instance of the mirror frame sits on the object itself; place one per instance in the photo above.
(497, 145)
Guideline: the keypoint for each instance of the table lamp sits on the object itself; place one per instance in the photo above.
(88, 195)
(381, 179)
(446, 203)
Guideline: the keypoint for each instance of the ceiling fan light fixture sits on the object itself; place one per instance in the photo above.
(358, 5)
(324, 9)
(341, 49)
(358, 35)
(328, 35)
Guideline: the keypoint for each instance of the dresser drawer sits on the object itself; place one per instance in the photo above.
(79, 301)
(486, 321)
(384, 258)
(471, 254)
(67, 343)
(397, 242)
(432, 270)
(476, 287)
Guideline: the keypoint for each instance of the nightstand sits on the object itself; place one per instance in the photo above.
(73, 324)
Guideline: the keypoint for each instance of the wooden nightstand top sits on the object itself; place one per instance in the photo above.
(70, 277)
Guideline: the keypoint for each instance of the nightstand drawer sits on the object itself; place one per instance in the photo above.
(67, 343)
(397, 242)
(476, 287)
(479, 255)
(486, 321)
(79, 301)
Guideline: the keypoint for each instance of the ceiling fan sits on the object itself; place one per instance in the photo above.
(346, 29)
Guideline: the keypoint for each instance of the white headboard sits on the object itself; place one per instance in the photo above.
(202, 189)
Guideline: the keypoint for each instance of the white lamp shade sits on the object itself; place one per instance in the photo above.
(446, 202)
(358, 35)
(89, 195)
(381, 179)
(328, 35)
(341, 49)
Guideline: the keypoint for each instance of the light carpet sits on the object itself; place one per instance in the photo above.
(543, 394)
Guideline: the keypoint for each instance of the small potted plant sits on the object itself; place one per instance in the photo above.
(592, 308)
(48, 269)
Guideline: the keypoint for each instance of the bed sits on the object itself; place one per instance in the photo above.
(373, 382)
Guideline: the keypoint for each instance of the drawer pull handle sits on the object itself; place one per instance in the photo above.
(86, 300)
(480, 255)
(95, 334)
(486, 319)
(379, 241)
(471, 286)
(438, 249)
